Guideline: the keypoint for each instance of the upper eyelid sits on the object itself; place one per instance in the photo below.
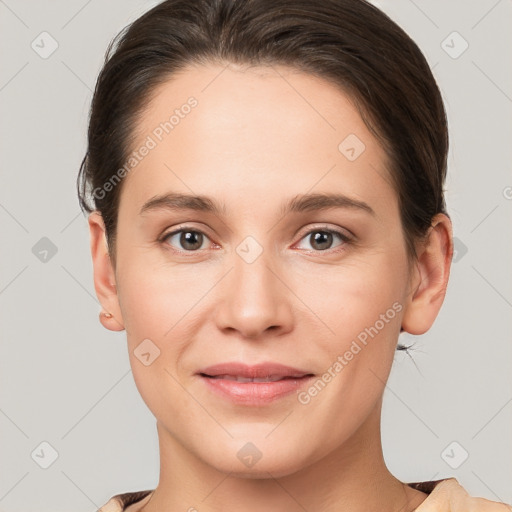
(345, 239)
(342, 232)
(338, 230)
(177, 230)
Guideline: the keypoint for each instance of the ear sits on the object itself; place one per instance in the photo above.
(429, 278)
(104, 275)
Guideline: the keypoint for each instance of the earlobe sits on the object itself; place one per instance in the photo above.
(104, 275)
(430, 277)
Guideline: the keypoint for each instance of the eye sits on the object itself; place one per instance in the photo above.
(188, 240)
(193, 240)
(322, 239)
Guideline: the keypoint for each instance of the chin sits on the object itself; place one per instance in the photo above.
(258, 459)
(261, 470)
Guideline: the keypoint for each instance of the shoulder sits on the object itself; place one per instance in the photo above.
(121, 502)
(443, 496)
(449, 496)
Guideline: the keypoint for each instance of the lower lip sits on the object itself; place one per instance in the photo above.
(255, 393)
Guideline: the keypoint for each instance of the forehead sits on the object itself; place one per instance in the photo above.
(215, 128)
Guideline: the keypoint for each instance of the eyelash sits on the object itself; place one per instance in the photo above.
(183, 229)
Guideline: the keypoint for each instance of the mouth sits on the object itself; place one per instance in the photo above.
(268, 378)
(253, 385)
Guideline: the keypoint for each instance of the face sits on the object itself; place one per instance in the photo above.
(259, 273)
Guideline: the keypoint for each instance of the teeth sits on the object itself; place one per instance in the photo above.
(238, 378)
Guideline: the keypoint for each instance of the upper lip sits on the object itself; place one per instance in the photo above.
(237, 369)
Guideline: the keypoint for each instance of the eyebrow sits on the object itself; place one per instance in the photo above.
(297, 204)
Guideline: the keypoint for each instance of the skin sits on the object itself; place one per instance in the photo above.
(252, 143)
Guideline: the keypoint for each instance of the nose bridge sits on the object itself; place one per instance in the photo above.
(251, 272)
(253, 298)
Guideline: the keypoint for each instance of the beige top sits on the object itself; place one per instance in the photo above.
(445, 495)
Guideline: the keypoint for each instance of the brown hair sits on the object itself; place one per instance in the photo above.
(351, 43)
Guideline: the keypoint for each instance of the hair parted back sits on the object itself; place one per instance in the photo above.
(350, 43)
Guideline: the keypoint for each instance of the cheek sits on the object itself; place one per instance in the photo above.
(156, 306)
(358, 310)
(156, 298)
(362, 307)
(350, 299)
(162, 311)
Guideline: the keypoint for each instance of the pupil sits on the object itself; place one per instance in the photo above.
(322, 237)
(191, 240)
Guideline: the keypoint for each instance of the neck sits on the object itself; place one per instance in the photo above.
(352, 477)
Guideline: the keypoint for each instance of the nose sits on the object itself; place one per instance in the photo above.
(254, 299)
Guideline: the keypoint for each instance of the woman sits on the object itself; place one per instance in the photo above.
(266, 216)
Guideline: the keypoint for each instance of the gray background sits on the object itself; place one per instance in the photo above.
(65, 380)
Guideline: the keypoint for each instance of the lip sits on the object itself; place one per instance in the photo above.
(261, 370)
(283, 380)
